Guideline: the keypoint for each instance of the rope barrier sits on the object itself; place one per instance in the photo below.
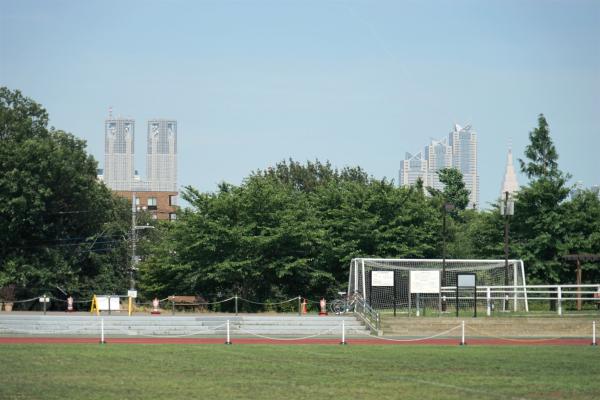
(405, 340)
(512, 339)
(204, 303)
(199, 332)
(46, 332)
(270, 303)
(22, 301)
(289, 339)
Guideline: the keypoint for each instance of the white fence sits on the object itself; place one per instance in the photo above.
(559, 298)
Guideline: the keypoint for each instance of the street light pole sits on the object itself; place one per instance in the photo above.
(134, 229)
(133, 242)
(447, 207)
(444, 246)
(507, 211)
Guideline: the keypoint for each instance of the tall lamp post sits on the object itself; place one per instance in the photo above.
(134, 229)
(507, 209)
(447, 207)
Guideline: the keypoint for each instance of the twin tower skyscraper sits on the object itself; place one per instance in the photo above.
(161, 156)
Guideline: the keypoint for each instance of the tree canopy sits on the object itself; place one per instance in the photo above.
(59, 227)
(287, 230)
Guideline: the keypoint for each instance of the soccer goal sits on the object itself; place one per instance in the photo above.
(431, 286)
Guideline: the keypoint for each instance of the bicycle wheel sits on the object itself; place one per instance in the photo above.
(337, 306)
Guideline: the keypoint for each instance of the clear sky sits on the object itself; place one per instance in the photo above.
(353, 82)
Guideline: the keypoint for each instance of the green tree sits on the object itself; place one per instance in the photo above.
(454, 191)
(287, 231)
(539, 228)
(541, 153)
(582, 225)
(59, 226)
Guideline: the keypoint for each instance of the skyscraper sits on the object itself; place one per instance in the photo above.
(161, 158)
(119, 134)
(509, 182)
(158, 193)
(464, 158)
(458, 150)
(439, 156)
(412, 168)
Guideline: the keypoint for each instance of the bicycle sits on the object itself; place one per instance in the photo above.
(346, 303)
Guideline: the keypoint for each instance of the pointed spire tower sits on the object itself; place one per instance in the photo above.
(509, 183)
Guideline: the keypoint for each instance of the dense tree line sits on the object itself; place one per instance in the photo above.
(60, 230)
(288, 230)
(293, 228)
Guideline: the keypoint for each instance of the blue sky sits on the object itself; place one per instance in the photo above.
(353, 82)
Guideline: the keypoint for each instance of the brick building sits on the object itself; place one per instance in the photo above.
(161, 205)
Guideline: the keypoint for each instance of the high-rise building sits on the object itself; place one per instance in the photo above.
(509, 182)
(161, 158)
(439, 156)
(119, 135)
(458, 150)
(158, 193)
(464, 158)
(412, 168)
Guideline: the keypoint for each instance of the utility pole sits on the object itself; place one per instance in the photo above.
(507, 211)
(447, 207)
(133, 242)
(134, 229)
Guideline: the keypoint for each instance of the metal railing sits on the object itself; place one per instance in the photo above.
(368, 315)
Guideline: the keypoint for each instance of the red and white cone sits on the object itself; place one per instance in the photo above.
(155, 304)
(323, 305)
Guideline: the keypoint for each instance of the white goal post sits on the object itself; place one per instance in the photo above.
(386, 285)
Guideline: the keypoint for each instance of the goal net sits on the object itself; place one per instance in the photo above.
(385, 284)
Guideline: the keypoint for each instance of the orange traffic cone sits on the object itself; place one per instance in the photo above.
(304, 306)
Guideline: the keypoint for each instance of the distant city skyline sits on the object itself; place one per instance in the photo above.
(352, 82)
(457, 150)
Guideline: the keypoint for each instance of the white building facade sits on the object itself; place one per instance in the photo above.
(119, 138)
(458, 150)
(463, 141)
(509, 182)
(161, 157)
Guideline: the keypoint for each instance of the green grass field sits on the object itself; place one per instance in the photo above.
(83, 371)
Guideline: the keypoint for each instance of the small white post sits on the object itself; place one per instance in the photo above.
(462, 341)
(594, 334)
(489, 305)
(559, 300)
(343, 332)
(102, 341)
(228, 336)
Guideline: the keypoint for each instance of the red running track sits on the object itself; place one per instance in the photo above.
(435, 342)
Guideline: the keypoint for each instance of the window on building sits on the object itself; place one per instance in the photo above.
(172, 200)
(137, 201)
(152, 203)
(172, 216)
(154, 216)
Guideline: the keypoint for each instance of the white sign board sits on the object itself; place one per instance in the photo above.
(466, 280)
(427, 281)
(103, 303)
(382, 278)
(132, 293)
